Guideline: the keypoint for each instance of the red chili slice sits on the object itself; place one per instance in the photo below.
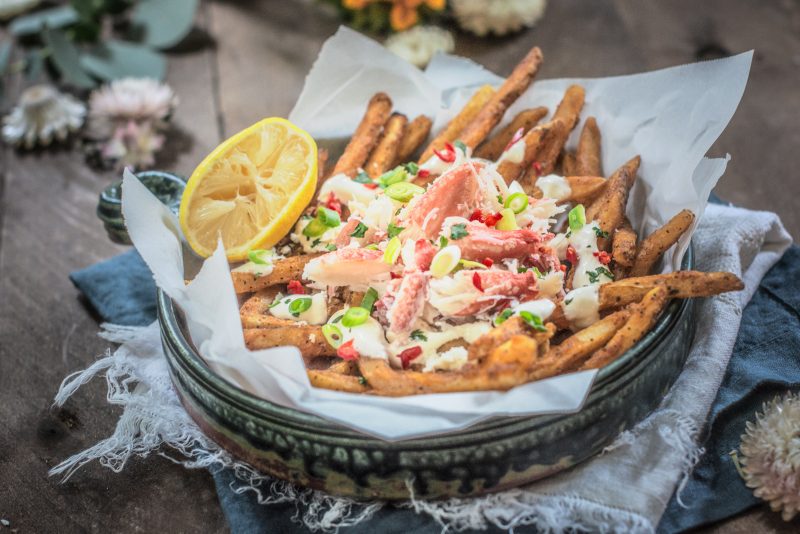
(563, 268)
(395, 276)
(603, 257)
(476, 215)
(371, 185)
(517, 136)
(476, 281)
(572, 256)
(295, 287)
(448, 155)
(488, 262)
(332, 203)
(409, 354)
(537, 167)
(493, 219)
(346, 351)
(423, 173)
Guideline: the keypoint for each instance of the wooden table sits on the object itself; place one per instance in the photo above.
(247, 60)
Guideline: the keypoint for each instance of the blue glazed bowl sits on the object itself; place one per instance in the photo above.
(166, 186)
(497, 454)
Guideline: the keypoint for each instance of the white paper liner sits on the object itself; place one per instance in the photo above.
(670, 117)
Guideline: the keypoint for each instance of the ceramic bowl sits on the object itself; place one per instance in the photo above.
(500, 453)
(166, 186)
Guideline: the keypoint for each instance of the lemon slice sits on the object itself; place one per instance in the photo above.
(250, 190)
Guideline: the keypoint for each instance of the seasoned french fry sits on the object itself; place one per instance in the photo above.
(492, 113)
(283, 271)
(587, 156)
(654, 245)
(308, 338)
(536, 137)
(328, 379)
(482, 347)
(643, 316)
(568, 164)
(583, 189)
(322, 161)
(609, 209)
(679, 285)
(623, 247)
(453, 130)
(567, 112)
(365, 136)
(416, 133)
(344, 367)
(493, 147)
(385, 152)
(573, 351)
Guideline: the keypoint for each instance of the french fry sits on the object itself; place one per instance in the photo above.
(283, 271)
(385, 152)
(583, 189)
(654, 245)
(679, 285)
(482, 347)
(568, 112)
(493, 147)
(573, 351)
(328, 379)
(536, 137)
(416, 133)
(365, 136)
(308, 338)
(643, 316)
(453, 130)
(587, 156)
(568, 164)
(322, 161)
(492, 113)
(609, 208)
(623, 247)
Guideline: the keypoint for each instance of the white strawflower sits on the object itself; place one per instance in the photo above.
(12, 8)
(499, 17)
(41, 115)
(770, 455)
(419, 44)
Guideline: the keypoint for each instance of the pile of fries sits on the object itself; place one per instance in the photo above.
(460, 271)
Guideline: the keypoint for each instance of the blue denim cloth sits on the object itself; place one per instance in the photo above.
(765, 362)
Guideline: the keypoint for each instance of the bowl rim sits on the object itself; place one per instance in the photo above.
(185, 355)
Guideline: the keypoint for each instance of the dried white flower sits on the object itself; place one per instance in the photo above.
(487, 16)
(12, 8)
(419, 44)
(41, 115)
(770, 455)
(127, 119)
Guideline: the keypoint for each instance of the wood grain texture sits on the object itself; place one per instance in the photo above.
(262, 51)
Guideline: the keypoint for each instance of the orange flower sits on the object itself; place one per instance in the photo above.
(356, 4)
(404, 12)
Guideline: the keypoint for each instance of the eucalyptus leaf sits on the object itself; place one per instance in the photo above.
(115, 59)
(56, 17)
(33, 64)
(66, 59)
(164, 23)
(5, 54)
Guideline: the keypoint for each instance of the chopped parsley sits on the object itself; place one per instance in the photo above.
(362, 178)
(533, 320)
(460, 145)
(568, 302)
(418, 335)
(316, 242)
(521, 270)
(457, 231)
(330, 246)
(594, 276)
(362, 380)
(443, 241)
(500, 199)
(275, 302)
(360, 230)
(599, 233)
(393, 230)
(538, 273)
(411, 168)
(503, 316)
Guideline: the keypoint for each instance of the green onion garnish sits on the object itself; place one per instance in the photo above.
(392, 251)
(577, 217)
(533, 320)
(259, 256)
(328, 217)
(354, 317)
(314, 228)
(332, 335)
(517, 202)
(370, 297)
(298, 306)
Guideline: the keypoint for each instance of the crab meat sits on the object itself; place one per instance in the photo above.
(408, 303)
(424, 252)
(356, 267)
(457, 193)
(458, 296)
(483, 242)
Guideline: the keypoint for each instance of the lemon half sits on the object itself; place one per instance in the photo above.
(250, 190)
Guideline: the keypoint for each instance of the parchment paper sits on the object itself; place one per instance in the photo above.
(669, 117)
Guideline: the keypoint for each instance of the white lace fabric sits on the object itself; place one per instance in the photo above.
(626, 488)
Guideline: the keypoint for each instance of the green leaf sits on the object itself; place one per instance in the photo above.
(66, 58)
(164, 23)
(57, 17)
(119, 59)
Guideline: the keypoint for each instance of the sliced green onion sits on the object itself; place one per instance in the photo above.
(392, 251)
(259, 256)
(503, 316)
(328, 217)
(332, 335)
(370, 297)
(372, 246)
(517, 202)
(403, 191)
(398, 174)
(577, 218)
(354, 317)
(411, 168)
(276, 301)
(314, 228)
(533, 320)
(360, 230)
(443, 241)
(469, 264)
(460, 145)
(445, 261)
(509, 220)
(298, 306)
